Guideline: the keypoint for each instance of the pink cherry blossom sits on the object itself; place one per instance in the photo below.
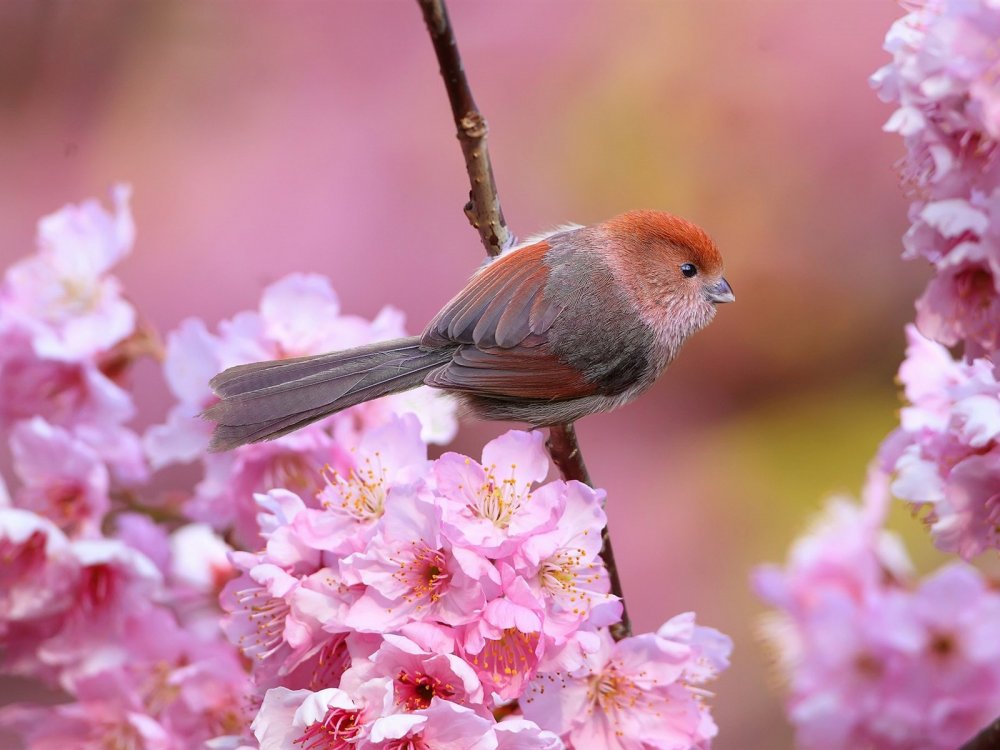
(330, 719)
(847, 551)
(86, 725)
(411, 572)
(517, 733)
(63, 296)
(418, 675)
(115, 586)
(491, 507)
(440, 726)
(284, 326)
(64, 393)
(631, 694)
(38, 570)
(710, 648)
(387, 602)
(871, 659)
(62, 478)
(354, 500)
(506, 644)
(191, 360)
(942, 77)
(199, 558)
(945, 456)
(563, 565)
(225, 498)
(261, 621)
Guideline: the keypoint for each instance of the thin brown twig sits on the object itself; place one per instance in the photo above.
(988, 739)
(566, 455)
(485, 214)
(483, 208)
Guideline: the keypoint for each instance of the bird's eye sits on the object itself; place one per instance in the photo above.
(689, 270)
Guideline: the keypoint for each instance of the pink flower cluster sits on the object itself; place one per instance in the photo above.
(421, 597)
(946, 452)
(873, 657)
(284, 326)
(334, 588)
(96, 600)
(944, 78)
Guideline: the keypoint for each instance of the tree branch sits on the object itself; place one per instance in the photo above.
(566, 455)
(988, 739)
(483, 210)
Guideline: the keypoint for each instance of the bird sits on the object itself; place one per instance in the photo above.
(573, 322)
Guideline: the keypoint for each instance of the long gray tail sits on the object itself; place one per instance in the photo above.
(265, 400)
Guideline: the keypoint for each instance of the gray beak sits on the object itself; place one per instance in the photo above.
(720, 292)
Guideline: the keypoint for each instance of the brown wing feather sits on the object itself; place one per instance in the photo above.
(522, 372)
(500, 322)
(501, 306)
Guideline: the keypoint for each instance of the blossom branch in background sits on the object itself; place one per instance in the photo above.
(945, 456)
(486, 216)
(874, 656)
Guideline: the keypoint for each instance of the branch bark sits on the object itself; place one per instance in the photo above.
(485, 214)
(988, 739)
(566, 455)
(483, 208)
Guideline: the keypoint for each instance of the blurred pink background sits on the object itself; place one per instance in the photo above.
(263, 138)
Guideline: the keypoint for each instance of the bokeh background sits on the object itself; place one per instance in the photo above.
(268, 137)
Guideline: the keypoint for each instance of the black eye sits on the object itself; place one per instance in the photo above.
(689, 270)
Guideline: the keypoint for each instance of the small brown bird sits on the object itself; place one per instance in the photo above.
(579, 321)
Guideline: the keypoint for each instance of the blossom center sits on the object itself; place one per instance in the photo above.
(266, 614)
(414, 690)
(64, 498)
(976, 286)
(17, 560)
(512, 654)
(337, 731)
(499, 500)
(292, 471)
(425, 574)
(100, 584)
(79, 296)
(363, 491)
(331, 662)
(120, 736)
(614, 692)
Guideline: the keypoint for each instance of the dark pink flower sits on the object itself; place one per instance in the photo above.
(418, 675)
(62, 478)
(329, 719)
(38, 569)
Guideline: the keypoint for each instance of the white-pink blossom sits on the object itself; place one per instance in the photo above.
(629, 695)
(63, 297)
(945, 456)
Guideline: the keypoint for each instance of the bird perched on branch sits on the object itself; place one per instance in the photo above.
(579, 321)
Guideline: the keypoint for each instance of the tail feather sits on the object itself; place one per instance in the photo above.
(265, 400)
(243, 379)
